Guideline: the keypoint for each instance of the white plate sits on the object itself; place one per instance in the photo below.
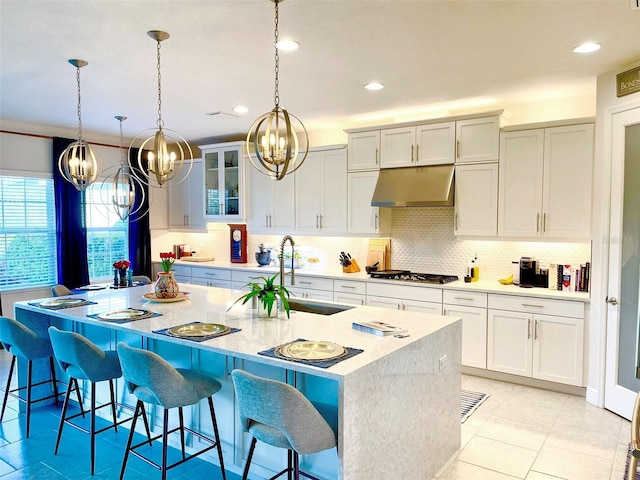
(127, 314)
(151, 297)
(312, 350)
(62, 302)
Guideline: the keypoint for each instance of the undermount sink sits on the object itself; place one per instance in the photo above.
(314, 306)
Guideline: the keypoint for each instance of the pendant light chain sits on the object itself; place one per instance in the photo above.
(276, 97)
(79, 110)
(160, 122)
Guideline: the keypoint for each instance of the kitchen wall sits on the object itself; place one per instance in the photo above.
(422, 240)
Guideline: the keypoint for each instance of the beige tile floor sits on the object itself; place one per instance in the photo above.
(532, 434)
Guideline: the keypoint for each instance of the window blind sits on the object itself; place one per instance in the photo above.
(27, 232)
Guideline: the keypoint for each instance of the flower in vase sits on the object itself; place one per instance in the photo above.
(167, 261)
(121, 264)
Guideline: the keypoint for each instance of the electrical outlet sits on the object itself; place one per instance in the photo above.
(443, 362)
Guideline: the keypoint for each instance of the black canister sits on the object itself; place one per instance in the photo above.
(527, 272)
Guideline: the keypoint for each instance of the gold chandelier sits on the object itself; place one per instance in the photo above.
(273, 145)
(79, 164)
(125, 188)
(170, 156)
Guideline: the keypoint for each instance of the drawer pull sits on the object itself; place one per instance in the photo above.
(305, 283)
(464, 298)
(347, 286)
(530, 305)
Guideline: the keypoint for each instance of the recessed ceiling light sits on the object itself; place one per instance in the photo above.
(240, 109)
(374, 86)
(287, 45)
(587, 47)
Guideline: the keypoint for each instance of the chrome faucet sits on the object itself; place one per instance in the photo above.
(281, 257)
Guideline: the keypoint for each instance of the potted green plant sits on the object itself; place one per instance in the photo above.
(267, 294)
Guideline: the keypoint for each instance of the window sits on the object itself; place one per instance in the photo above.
(27, 232)
(107, 235)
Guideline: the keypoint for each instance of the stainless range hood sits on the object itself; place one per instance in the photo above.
(429, 186)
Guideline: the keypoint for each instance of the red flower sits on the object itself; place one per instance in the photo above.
(120, 264)
(167, 260)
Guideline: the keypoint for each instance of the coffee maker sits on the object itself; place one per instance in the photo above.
(527, 272)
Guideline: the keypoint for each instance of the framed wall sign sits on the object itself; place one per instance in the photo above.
(628, 82)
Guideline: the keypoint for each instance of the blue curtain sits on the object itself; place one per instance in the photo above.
(71, 232)
(139, 236)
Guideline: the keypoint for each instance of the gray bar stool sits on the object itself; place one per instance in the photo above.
(60, 291)
(279, 415)
(153, 380)
(21, 341)
(81, 359)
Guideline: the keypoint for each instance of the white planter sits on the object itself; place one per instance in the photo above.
(263, 312)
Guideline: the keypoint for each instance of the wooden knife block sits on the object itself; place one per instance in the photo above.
(351, 268)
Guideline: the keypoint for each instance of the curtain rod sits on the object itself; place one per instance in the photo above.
(49, 137)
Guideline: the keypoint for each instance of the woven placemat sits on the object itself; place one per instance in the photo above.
(196, 339)
(351, 352)
(60, 307)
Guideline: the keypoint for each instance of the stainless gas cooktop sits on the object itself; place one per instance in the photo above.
(408, 276)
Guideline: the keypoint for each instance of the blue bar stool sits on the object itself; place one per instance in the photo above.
(21, 341)
(81, 359)
(153, 380)
(279, 415)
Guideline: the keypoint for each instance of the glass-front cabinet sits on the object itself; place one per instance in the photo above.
(223, 181)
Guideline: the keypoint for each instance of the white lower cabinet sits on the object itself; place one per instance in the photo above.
(548, 345)
(211, 277)
(472, 308)
(181, 273)
(314, 288)
(409, 298)
(311, 294)
(350, 292)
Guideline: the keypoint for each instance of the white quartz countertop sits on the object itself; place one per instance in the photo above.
(486, 286)
(208, 304)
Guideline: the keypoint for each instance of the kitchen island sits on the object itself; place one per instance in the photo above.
(398, 402)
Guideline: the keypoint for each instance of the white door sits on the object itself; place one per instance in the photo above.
(621, 382)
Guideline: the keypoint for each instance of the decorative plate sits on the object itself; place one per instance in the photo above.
(198, 330)
(311, 350)
(62, 302)
(92, 287)
(128, 314)
(151, 297)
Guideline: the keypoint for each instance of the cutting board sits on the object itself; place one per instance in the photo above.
(379, 251)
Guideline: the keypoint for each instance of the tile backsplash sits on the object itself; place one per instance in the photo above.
(422, 240)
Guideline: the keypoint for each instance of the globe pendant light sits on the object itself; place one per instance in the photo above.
(125, 188)
(170, 156)
(79, 164)
(273, 145)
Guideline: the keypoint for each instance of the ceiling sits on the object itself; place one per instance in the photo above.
(435, 58)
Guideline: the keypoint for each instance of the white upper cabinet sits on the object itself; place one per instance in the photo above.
(270, 203)
(186, 204)
(364, 151)
(321, 192)
(545, 182)
(431, 144)
(477, 140)
(223, 181)
(476, 201)
(362, 218)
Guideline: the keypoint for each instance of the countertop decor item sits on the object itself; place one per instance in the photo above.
(121, 267)
(171, 157)
(267, 294)
(78, 163)
(166, 286)
(167, 259)
(273, 145)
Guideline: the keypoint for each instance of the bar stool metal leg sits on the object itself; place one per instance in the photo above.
(6, 390)
(217, 437)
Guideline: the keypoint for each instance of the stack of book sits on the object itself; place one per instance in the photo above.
(378, 328)
(571, 278)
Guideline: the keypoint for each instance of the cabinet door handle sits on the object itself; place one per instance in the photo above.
(411, 153)
(270, 225)
(544, 222)
(266, 220)
(529, 328)
(458, 149)
(377, 161)
(399, 306)
(321, 225)
(362, 302)
(417, 153)
(317, 221)
(455, 226)
(375, 222)
(537, 223)
(535, 330)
